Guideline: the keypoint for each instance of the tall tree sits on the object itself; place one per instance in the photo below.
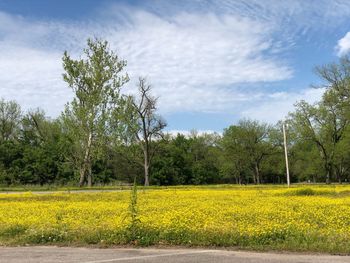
(234, 162)
(147, 124)
(10, 118)
(248, 139)
(336, 76)
(96, 80)
(325, 122)
(203, 158)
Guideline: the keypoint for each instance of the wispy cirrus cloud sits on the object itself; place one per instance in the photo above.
(190, 58)
(195, 61)
(199, 56)
(275, 106)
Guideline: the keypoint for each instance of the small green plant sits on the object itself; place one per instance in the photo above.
(311, 192)
(133, 227)
(305, 192)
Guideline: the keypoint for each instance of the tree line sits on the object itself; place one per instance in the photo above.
(105, 136)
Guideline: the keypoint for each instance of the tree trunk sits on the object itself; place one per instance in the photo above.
(146, 175)
(236, 178)
(146, 167)
(89, 175)
(327, 178)
(329, 173)
(339, 174)
(86, 166)
(82, 175)
(257, 174)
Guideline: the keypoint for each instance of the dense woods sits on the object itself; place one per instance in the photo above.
(104, 136)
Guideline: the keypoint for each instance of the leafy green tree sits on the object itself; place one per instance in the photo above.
(342, 158)
(248, 145)
(186, 160)
(10, 118)
(234, 163)
(96, 80)
(169, 164)
(306, 163)
(11, 154)
(324, 124)
(204, 161)
(336, 77)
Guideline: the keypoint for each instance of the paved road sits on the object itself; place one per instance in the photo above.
(89, 255)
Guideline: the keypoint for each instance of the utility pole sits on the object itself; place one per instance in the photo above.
(286, 153)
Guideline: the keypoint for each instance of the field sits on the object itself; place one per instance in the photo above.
(302, 218)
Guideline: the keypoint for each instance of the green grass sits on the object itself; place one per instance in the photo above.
(49, 188)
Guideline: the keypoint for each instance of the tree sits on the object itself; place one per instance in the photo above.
(169, 166)
(325, 122)
(96, 81)
(247, 144)
(234, 163)
(336, 77)
(306, 162)
(147, 126)
(342, 158)
(203, 157)
(10, 118)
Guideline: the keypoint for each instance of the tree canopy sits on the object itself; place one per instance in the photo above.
(105, 135)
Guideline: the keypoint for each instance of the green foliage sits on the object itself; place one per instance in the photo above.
(133, 228)
(246, 146)
(304, 191)
(10, 117)
(311, 192)
(133, 206)
(96, 80)
(182, 160)
(104, 136)
(326, 123)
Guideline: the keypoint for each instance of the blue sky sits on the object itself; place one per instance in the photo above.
(210, 63)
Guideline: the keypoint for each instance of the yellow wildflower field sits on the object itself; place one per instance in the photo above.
(304, 219)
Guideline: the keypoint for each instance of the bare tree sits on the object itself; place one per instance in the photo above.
(148, 125)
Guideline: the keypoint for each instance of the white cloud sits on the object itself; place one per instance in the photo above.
(343, 45)
(30, 62)
(197, 60)
(276, 106)
(194, 61)
(33, 78)
(290, 17)
(189, 59)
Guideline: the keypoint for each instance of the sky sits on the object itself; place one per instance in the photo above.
(210, 63)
